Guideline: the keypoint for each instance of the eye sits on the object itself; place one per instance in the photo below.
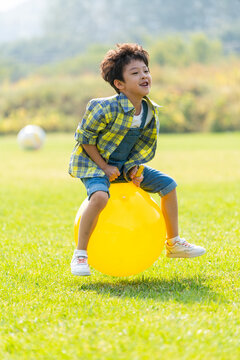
(146, 71)
(135, 73)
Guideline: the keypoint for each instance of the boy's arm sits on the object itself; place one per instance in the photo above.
(111, 171)
(92, 124)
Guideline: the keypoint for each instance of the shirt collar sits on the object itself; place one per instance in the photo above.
(125, 103)
(128, 106)
(152, 103)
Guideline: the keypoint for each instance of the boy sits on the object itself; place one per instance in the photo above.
(116, 135)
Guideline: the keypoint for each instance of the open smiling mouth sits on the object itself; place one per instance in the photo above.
(144, 84)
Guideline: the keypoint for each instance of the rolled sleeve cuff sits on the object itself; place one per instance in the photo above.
(126, 176)
(86, 137)
(126, 170)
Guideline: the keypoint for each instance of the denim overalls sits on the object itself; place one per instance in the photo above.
(154, 181)
(120, 155)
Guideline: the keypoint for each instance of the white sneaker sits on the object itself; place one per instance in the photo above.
(182, 249)
(79, 265)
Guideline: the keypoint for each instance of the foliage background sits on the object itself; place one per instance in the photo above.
(48, 76)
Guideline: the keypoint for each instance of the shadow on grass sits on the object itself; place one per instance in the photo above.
(187, 290)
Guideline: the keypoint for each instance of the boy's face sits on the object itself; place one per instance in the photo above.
(137, 80)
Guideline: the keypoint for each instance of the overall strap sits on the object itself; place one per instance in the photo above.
(145, 112)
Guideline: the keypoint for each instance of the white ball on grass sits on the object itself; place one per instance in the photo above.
(31, 137)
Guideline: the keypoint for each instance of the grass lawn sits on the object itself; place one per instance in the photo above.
(177, 309)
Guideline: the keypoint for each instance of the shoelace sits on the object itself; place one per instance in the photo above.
(81, 260)
(183, 242)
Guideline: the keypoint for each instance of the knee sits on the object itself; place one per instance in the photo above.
(99, 200)
(172, 192)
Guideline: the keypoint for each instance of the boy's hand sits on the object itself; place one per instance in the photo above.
(134, 176)
(112, 172)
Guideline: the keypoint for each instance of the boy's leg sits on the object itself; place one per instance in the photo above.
(155, 181)
(89, 218)
(169, 206)
(97, 189)
(175, 246)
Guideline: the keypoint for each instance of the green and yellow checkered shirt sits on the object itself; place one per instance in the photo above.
(105, 123)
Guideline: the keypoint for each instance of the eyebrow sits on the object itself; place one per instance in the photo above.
(138, 67)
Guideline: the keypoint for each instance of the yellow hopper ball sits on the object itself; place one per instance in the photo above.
(130, 233)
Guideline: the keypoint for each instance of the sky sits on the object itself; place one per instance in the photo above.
(9, 4)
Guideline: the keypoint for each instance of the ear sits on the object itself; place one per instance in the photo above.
(118, 84)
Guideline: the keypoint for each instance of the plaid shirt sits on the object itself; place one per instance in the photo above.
(105, 123)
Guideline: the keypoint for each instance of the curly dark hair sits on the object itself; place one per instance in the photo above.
(114, 61)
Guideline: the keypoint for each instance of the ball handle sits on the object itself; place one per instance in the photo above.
(140, 170)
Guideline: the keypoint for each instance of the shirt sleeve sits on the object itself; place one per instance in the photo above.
(92, 123)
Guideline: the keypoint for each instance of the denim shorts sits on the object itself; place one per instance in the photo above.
(154, 182)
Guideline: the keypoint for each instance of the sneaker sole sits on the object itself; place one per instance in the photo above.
(185, 256)
(81, 274)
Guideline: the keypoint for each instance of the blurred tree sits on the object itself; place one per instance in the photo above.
(71, 26)
(203, 50)
(107, 21)
(172, 50)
